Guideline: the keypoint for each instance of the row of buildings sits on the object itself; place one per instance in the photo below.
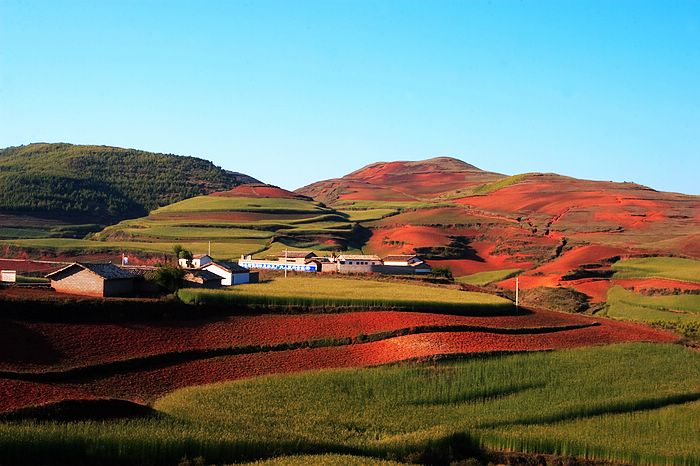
(308, 261)
(108, 280)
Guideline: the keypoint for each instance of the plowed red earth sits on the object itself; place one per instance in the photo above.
(257, 190)
(146, 385)
(39, 346)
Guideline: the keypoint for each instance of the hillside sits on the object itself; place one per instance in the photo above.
(557, 230)
(48, 189)
(250, 218)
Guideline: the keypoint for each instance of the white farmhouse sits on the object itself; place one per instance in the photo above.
(230, 273)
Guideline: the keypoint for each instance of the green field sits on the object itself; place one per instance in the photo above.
(632, 403)
(673, 268)
(678, 312)
(222, 250)
(343, 292)
(235, 225)
(368, 215)
(241, 204)
(484, 278)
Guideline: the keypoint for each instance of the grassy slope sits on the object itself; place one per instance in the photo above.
(570, 402)
(484, 278)
(253, 225)
(105, 183)
(332, 292)
(673, 268)
(627, 304)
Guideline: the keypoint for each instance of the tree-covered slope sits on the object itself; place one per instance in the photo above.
(103, 183)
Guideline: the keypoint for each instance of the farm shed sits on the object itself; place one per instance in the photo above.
(231, 273)
(89, 279)
(404, 260)
(202, 279)
(296, 257)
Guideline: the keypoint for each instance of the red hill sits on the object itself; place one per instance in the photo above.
(546, 224)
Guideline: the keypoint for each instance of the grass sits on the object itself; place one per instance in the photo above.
(673, 268)
(368, 215)
(484, 278)
(676, 312)
(232, 250)
(632, 403)
(500, 184)
(242, 204)
(347, 292)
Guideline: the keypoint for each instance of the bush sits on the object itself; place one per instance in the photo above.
(169, 278)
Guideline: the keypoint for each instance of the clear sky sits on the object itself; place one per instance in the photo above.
(296, 91)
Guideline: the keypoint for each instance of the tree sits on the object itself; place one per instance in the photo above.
(443, 272)
(169, 278)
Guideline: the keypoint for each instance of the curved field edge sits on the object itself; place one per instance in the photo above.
(571, 402)
(176, 357)
(298, 292)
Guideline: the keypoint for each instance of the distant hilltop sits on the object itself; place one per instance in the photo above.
(102, 184)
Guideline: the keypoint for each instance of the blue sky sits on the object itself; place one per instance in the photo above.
(296, 91)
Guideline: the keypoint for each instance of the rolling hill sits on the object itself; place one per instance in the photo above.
(556, 229)
(64, 190)
(251, 218)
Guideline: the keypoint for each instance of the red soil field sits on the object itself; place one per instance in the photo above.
(595, 288)
(257, 190)
(579, 256)
(30, 346)
(146, 385)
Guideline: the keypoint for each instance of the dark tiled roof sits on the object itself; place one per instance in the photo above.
(204, 275)
(199, 256)
(106, 271)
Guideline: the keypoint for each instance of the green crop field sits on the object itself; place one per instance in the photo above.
(241, 204)
(342, 292)
(368, 215)
(674, 268)
(484, 278)
(678, 312)
(631, 403)
(223, 250)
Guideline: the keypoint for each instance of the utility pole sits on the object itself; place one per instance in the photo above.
(517, 286)
(209, 252)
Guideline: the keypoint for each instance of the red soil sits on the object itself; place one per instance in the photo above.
(595, 288)
(145, 386)
(579, 256)
(29, 346)
(257, 190)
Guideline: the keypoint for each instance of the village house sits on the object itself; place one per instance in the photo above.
(231, 273)
(299, 261)
(296, 257)
(97, 280)
(198, 261)
(201, 279)
(404, 260)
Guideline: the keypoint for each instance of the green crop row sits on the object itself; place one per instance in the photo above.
(673, 268)
(300, 292)
(633, 403)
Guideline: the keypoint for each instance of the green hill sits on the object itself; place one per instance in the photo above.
(76, 184)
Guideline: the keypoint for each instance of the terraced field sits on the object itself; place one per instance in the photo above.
(236, 222)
